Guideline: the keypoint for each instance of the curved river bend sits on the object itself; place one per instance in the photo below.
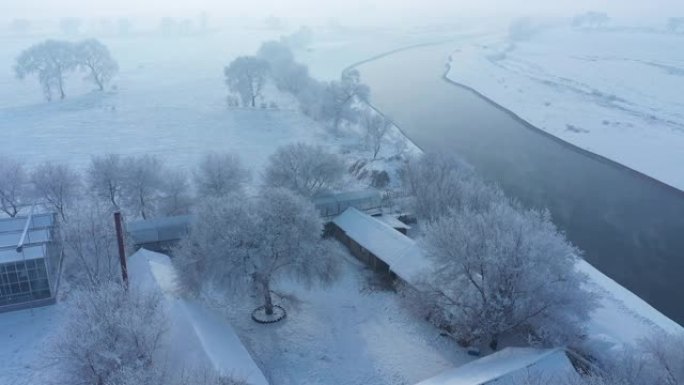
(630, 226)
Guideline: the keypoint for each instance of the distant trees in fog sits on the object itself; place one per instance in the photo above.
(675, 24)
(375, 127)
(94, 57)
(51, 60)
(334, 102)
(590, 20)
(246, 76)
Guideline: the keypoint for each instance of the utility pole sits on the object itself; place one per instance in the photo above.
(122, 249)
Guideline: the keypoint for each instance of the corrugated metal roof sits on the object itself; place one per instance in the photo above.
(159, 229)
(335, 203)
(33, 236)
(17, 224)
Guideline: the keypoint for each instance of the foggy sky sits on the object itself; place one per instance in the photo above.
(335, 8)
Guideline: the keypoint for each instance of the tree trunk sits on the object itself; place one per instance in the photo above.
(253, 101)
(268, 301)
(61, 87)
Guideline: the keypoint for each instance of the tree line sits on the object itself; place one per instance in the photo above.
(243, 241)
(51, 60)
(333, 103)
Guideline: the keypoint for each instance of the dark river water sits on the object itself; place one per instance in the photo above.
(630, 226)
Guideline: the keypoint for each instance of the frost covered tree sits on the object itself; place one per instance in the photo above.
(375, 129)
(440, 182)
(49, 61)
(303, 168)
(105, 178)
(246, 76)
(505, 271)
(110, 336)
(590, 19)
(339, 97)
(237, 243)
(90, 246)
(176, 198)
(94, 57)
(220, 174)
(143, 184)
(12, 186)
(288, 75)
(56, 185)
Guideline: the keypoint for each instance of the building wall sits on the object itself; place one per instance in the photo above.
(24, 281)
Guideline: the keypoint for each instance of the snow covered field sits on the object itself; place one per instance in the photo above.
(350, 333)
(615, 93)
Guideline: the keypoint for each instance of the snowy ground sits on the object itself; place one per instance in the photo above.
(23, 336)
(615, 93)
(350, 333)
(621, 316)
(169, 100)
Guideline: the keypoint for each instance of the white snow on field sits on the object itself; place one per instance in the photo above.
(615, 93)
(350, 333)
(24, 335)
(169, 101)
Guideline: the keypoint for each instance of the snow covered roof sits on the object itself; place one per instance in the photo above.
(392, 221)
(199, 335)
(38, 221)
(162, 229)
(510, 366)
(404, 257)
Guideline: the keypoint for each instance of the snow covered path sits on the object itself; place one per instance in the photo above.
(614, 93)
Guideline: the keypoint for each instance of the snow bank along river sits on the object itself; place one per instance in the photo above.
(629, 225)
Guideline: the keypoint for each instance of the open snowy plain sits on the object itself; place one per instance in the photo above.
(616, 93)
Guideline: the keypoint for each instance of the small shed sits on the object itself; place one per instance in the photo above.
(511, 366)
(333, 204)
(381, 246)
(30, 261)
(159, 234)
(393, 222)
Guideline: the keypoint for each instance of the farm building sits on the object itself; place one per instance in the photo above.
(511, 366)
(332, 204)
(158, 234)
(380, 245)
(200, 336)
(30, 261)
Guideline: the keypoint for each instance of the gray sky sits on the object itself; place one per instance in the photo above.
(340, 8)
